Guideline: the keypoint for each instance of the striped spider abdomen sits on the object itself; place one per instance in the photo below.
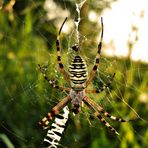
(78, 73)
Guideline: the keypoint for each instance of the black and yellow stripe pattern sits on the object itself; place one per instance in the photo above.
(78, 73)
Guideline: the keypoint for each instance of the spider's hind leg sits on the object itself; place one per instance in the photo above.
(97, 114)
(54, 111)
(101, 110)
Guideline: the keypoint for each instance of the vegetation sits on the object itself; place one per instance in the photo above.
(27, 39)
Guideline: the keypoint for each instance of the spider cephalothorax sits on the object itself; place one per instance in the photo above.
(76, 99)
(77, 77)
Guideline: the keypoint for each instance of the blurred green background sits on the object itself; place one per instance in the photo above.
(27, 38)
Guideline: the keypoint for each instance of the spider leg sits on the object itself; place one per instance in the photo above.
(106, 114)
(97, 114)
(61, 66)
(93, 72)
(51, 82)
(103, 87)
(54, 111)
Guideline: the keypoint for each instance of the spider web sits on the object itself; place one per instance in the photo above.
(26, 97)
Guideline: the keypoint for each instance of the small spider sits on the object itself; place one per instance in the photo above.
(78, 79)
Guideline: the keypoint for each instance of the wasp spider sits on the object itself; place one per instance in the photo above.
(78, 78)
